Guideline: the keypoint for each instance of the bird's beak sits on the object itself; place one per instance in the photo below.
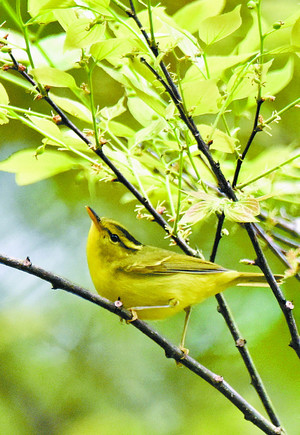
(95, 218)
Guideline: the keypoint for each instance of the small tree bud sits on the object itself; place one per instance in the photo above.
(277, 25)
(251, 4)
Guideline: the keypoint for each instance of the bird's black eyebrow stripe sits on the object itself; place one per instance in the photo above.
(128, 235)
(122, 243)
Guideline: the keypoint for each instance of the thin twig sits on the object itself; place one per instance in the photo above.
(171, 350)
(255, 130)
(293, 228)
(274, 247)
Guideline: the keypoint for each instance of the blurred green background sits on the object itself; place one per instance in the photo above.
(68, 367)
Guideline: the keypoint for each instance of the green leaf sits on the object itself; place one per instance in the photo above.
(101, 6)
(140, 111)
(120, 130)
(152, 101)
(3, 118)
(201, 96)
(53, 46)
(112, 48)
(53, 77)
(191, 15)
(216, 66)
(244, 210)
(72, 107)
(278, 79)
(65, 17)
(214, 29)
(37, 6)
(152, 131)
(46, 127)
(43, 10)
(30, 168)
(110, 112)
(295, 34)
(4, 99)
(83, 33)
(221, 141)
(250, 41)
(206, 205)
(243, 84)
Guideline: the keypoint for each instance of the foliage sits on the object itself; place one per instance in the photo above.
(151, 145)
(208, 67)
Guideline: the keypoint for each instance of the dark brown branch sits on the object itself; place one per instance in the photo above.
(153, 46)
(100, 153)
(171, 350)
(240, 342)
(255, 130)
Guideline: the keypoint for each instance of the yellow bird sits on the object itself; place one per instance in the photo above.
(154, 283)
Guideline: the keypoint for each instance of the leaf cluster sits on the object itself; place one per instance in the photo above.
(143, 133)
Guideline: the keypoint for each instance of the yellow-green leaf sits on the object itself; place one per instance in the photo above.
(47, 127)
(53, 77)
(295, 34)
(3, 95)
(112, 48)
(201, 96)
(30, 168)
(191, 15)
(278, 79)
(214, 29)
(83, 33)
(72, 107)
(244, 210)
(221, 140)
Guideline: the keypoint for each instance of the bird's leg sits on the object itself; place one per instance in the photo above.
(185, 326)
(172, 303)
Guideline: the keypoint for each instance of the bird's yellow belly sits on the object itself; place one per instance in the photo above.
(168, 294)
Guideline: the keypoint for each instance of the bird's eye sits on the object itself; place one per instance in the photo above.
(114, 238)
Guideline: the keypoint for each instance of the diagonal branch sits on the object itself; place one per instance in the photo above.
(171, 350)
(275, 247)
(100, 153)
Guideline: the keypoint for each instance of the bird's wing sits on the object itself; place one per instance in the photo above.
(156, 262)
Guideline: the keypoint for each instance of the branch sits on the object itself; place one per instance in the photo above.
(292, 228)
(275, 247)
(100, 153)
(255, 130)
(171, 350)
(227, 189)
(240, 342)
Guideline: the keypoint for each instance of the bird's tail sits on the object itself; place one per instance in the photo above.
(256, 279)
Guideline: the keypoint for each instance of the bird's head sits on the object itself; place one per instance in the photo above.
(110, 240)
